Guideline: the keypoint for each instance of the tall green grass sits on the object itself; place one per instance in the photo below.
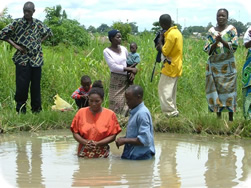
(64, 66)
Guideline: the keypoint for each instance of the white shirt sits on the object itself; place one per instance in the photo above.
(116, 61)
(246, 37)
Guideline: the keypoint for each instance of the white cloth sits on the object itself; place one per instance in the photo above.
(246, 37)
(116, 61)
(167, 89)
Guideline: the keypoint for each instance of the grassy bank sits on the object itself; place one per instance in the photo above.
(65, 65)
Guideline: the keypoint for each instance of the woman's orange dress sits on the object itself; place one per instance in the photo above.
(96, 128)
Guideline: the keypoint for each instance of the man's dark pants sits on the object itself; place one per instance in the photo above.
(27, 76)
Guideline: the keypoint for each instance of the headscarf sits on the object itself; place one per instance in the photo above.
(112, 33)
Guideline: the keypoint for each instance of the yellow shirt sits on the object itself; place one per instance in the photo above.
(173, 49)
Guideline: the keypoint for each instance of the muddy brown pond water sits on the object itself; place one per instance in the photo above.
(48, 159)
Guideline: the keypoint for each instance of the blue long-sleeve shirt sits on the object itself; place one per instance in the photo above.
(140, 126)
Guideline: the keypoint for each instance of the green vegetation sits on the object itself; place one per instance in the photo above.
(65, 30)
(124, 28)
(4, 18)
(64, 65)
(72, 52)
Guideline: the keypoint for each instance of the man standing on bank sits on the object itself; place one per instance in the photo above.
(26, 35)
(139, 143)
(172, 50)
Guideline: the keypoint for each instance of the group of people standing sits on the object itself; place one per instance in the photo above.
(94, 126)
(221, 80)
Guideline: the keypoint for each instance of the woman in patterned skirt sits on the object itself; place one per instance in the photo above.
(116, 56)
(221, 74)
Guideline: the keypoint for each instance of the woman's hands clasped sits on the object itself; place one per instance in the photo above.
(91, 144)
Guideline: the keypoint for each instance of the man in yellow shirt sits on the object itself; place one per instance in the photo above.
(172, 51)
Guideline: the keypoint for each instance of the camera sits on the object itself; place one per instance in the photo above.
(156, 39)
(156, 42)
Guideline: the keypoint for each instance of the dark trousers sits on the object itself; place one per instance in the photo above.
(27, 76)
(82, 102)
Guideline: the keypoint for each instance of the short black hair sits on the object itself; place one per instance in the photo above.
(165, 19)
(97, 88)
(134, 43)
(30, 5)
(86, 78)
(136, 90)
(223, 10)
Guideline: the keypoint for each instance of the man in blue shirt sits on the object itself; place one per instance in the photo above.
(139, 143)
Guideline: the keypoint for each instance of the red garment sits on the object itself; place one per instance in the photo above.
(96, 127)
(79, 92)
(98, 152)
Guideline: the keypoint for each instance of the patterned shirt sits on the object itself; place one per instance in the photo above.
(140, 126)
(28, 35)
(79, 92)
(246, 71)
(229, 35)
(247, 38)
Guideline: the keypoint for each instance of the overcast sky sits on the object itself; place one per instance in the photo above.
(143, 12)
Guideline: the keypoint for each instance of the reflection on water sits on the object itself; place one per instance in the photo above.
(49, 159)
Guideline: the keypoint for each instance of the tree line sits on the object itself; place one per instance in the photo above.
(71, 32)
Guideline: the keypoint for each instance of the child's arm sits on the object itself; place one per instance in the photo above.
(76, 94)
(133, 65)
(135, 59)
